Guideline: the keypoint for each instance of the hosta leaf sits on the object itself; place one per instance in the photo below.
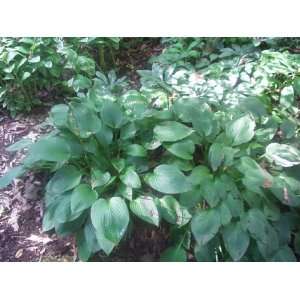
(287, 96)
(87, 122)
(236, 240)
(86, 241)
(19, 145)
(241, 130)
(59, 114)
(112, 115)
(182, 149)
(257, 224)
(10, 175)
(199, 175)
(128, 131)
(283, 155)
(53, 149)
(110, 218)
(131, 178)
(64, 180)
(82, 198)
(145, 208)
(168, 179)
(174, 254)
(216, 155)
(285, 254)
(171, 131)
(205, 225)
(99, 178)
(173, 212)
(136, 150)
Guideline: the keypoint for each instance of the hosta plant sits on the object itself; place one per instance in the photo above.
(227, 186)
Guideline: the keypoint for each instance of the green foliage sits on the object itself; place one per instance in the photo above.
(210, 152)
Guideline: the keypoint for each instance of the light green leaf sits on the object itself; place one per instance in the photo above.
(168, 179)
(283, 155)
(216, 155)
(171, 131)
(241, 130)
(145, 208)
(287, 96)
(173, 212)
(59, 114)
(136, 150)
(98, 178)
(182, 149)
(131, 178)
(82, 198)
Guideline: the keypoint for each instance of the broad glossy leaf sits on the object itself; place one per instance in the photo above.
(205, 225)
(168, 179)
(236, 240)
(59, 115)
(216, 155)
(173, 212)
(182, 149)
(53, 149)
(131, 178)
(110, 218)
(86, 120)
(82, 198)
(64, 180)
(99, 178)
(171, 131)
(136, 150)
(112, 115)
(283, 155)
(241, 130)
(145, 208)
(257, 224)
(285, 254)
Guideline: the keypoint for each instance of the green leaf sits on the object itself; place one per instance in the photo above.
(53, 149)
(168, 179)
(283, 155)
(10, 175)
(86, 120)
(199, 175)
(19, 145)
(236, 240)
(110, 218)
(59, 115)
(145, 208)
(287, 96)
(216, 155)
(174, 254)
(171, 131)
(128, 131)
(63, 180)
(131, 178)
(182, 149)
(241, 130)
(112, 115)
(285, 254)
(136, 150)
(98, 178)
(82, 198)
(173, 212)
(205, 225)
(256, 224)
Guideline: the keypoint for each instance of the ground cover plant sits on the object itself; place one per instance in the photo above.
(207, 148)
